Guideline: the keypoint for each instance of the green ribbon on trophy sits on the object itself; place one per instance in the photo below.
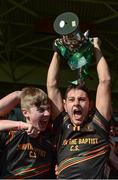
(74, 46)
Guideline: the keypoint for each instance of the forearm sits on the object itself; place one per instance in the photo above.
(102, 66)
(53, 71)
(8, 102)
(12, 125)
(52, 86)
(103, 95)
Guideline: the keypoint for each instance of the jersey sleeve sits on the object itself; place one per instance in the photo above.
(101, 124)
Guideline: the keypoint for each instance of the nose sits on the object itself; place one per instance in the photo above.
(76, 102)
(46, 113)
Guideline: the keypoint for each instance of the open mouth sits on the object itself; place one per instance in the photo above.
(43, 124)
(77, 112)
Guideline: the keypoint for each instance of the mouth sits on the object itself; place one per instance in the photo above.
(77, 116)
(43, 124)
(77, 111)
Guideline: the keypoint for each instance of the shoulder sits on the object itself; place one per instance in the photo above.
(98, 116)
(101, 124)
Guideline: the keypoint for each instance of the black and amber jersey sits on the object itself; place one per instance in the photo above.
(23, 157)
(82, 151)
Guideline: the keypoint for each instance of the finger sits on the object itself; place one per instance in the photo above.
(34, 132)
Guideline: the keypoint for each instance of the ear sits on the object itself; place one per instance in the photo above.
(64, 104)
(25, 113)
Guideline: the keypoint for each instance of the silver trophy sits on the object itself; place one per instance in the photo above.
(73, 45)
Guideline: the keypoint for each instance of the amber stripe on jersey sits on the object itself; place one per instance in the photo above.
(99, 123)
(28, 171)
(72, 161)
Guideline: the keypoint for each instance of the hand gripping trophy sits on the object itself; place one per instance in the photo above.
(76, 48)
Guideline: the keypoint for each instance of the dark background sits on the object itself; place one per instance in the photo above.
(27, 35)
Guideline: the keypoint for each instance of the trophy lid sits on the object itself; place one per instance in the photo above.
(66, 23)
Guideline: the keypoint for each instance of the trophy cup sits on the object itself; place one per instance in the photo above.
(74, 46)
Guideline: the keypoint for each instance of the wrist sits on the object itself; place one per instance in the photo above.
(21, 125)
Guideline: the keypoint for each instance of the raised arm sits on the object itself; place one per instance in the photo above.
(8, 102)
(52, 85)
(103, 96)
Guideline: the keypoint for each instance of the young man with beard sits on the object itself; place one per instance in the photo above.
(27, 155)
(82, 138)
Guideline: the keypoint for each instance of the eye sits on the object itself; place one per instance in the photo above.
(40, 109)
(71, 99)
(83, 99)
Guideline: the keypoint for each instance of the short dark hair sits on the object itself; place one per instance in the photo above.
(80, 86)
